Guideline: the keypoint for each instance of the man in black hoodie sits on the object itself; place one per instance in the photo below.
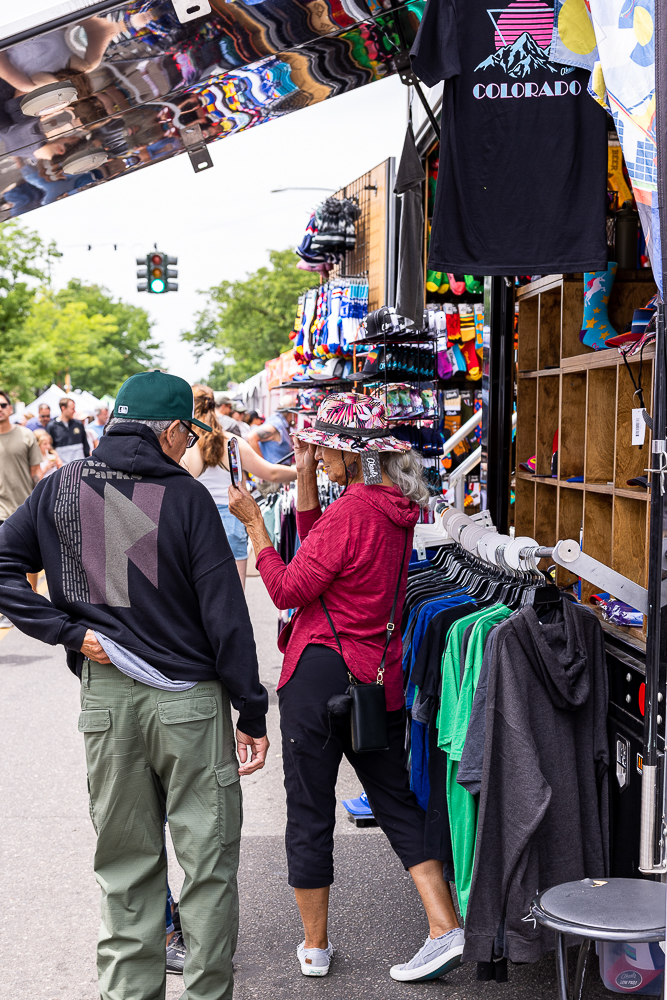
(145, 597)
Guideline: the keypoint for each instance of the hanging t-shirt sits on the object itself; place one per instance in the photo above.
(458, 688)
(523, 151)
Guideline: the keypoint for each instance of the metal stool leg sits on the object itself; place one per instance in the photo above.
(582, 968)
(562, 972)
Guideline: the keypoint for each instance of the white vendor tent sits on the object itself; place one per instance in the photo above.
(85, 401)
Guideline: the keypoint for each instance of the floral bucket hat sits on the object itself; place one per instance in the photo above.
(349, 421)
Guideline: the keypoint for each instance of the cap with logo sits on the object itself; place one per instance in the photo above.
(156, 396)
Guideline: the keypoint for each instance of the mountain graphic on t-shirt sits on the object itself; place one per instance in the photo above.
(520, 58)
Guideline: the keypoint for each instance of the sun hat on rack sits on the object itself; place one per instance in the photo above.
(349, 421)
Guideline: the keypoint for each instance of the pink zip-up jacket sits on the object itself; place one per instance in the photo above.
(351, 556)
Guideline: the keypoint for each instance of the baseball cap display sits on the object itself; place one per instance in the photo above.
(156, 396)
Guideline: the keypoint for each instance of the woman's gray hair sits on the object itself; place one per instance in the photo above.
(405, 469)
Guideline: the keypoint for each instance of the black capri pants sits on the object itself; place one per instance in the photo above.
(311, 771)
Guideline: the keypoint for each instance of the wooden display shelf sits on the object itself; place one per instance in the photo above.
(608, 358)
(586, 397)
(634, 493)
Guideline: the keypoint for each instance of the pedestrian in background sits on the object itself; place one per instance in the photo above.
(209, 464)
(100, 421)
(20, 469)
(51, 460)
(223, 411)
(42, 419)
(68, 435)
(273, 436)
(156, 626)
(239, 412)
(87, 421)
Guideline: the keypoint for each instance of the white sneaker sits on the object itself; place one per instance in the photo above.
(435, 958)
(315, 961)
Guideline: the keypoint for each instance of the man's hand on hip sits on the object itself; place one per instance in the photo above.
(252, 752)
(92, 650)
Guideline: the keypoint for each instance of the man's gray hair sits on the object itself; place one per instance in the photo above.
(98, 409)
(159, 426)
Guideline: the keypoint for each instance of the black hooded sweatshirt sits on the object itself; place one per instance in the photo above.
(543, 808)
(134, 547)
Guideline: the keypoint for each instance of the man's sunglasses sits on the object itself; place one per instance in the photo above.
(192, 437)
(3, 406)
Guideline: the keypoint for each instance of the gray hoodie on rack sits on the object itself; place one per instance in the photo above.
(543, 808)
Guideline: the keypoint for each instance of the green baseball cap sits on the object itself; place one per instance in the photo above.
(156, 396)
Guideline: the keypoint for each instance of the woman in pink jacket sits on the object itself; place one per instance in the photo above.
(354, 558)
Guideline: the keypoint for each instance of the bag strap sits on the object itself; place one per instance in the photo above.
(390, 624)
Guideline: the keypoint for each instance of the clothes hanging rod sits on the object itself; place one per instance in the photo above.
(567, 553)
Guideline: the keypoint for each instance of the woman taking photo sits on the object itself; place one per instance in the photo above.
(354, 558)
(209, 463)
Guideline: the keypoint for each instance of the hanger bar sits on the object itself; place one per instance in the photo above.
(567, 553)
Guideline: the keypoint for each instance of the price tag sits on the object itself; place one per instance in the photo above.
(638, 426)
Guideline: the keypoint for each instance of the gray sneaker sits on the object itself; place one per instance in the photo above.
(437, 957)
(315, 961)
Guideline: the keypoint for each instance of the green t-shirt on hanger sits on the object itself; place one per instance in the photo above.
(453, 719)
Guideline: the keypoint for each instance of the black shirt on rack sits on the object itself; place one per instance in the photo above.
(426, 674)
(523, 151)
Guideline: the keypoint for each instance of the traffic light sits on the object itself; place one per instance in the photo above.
(156, 273)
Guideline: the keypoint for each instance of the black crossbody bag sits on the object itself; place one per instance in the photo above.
(367, 703)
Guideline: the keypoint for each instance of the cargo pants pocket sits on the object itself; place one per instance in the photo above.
(94, 721)
(230, 803)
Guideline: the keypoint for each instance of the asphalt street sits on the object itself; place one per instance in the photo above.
(49, 900)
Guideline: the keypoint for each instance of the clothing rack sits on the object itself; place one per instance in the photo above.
(520, 555)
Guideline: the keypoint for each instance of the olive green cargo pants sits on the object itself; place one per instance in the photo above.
(153, 753)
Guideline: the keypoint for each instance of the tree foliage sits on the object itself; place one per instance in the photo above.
(118, 347)
(24, 264)
(80, 329)
(248, 321)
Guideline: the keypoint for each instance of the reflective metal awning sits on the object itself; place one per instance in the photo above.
(101, 96)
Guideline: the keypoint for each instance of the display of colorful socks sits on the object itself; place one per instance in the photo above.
(457, 284)
(479, 325)
(453, 323)
(433, 279)
(473, 284)
(471, 356)
(467, 321)
(597, 289)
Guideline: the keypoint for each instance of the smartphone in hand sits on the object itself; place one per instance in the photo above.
(235, 467)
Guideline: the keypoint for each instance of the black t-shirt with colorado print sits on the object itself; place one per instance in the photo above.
(523, 154)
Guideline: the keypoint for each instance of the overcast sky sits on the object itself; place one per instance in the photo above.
(221, 223)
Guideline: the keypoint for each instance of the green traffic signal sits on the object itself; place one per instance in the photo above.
(157, 273)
